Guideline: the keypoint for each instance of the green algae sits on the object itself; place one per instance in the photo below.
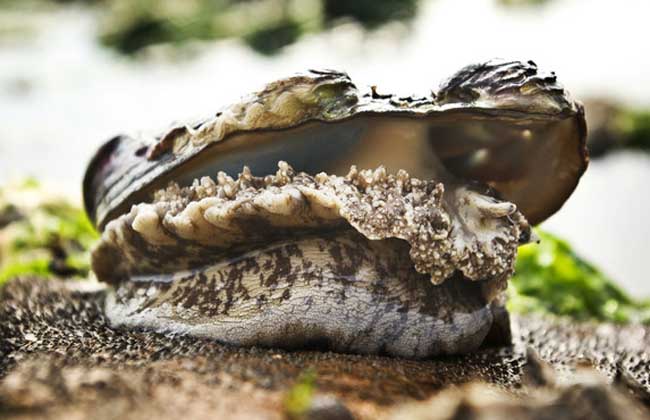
(551, 278)
(42, 235)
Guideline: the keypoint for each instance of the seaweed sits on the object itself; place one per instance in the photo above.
(42, 234)
(551, 278)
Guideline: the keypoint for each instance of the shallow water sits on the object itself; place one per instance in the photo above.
(61, 94)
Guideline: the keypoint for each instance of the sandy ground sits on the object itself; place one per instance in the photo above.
(60, 359)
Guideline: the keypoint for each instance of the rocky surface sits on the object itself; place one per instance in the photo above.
(60, 359)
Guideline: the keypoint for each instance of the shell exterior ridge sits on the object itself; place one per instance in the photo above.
(511, 92)
(330, 95)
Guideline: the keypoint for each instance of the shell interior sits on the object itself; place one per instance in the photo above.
(503, 124)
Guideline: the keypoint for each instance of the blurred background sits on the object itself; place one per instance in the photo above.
(74, 73)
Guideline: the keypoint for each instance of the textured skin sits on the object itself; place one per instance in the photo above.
(336, 292)
(509, 95)
(322, 261)
(187, 228)
(59, 358)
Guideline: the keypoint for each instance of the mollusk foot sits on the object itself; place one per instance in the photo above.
(367, 263)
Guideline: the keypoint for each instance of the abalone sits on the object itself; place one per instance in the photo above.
(314, 215)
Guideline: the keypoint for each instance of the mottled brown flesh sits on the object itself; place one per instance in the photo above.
(336, 291)
(261, 261)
